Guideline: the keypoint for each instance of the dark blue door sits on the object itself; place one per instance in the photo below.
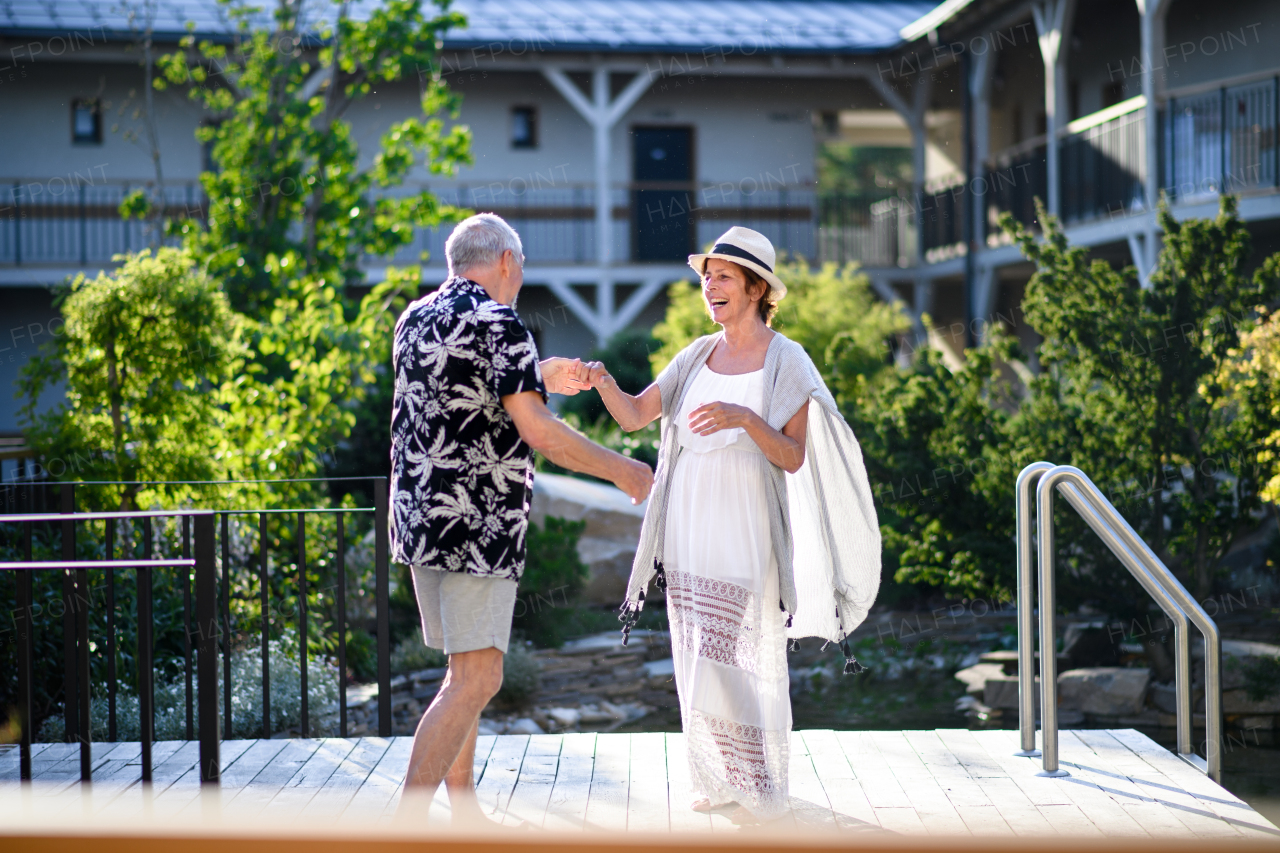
(663, 179)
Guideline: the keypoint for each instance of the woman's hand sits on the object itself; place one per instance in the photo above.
(596, 374)
(565, 376)
(710, 418)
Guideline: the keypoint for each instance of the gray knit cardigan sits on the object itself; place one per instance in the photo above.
(822, 520)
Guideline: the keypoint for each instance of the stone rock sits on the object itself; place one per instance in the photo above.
(1002, 692)
(608, 543)
(975, 677)
(525, 726)
(565, 717)
(1007, 658)
(1106, 690)
(1238, 702)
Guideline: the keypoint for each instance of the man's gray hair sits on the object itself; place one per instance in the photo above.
(479, 241)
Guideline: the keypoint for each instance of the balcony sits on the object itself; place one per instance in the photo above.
(1222, 140)
(48, 223)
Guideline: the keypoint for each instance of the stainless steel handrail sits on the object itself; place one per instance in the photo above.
(1150, 572)
(1027, 480)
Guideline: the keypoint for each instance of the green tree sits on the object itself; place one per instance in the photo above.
(143, 358)
(1129, 390)
(290, 181)
(294, 205)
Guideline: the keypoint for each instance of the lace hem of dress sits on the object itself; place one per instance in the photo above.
(734, 762)
(713, 619)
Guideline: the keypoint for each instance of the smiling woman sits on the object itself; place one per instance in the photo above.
(736, 532)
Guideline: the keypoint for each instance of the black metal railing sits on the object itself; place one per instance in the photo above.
(1103, 168)
(1224, 140)
(1015, 178)
(943, 207)
(211, 630)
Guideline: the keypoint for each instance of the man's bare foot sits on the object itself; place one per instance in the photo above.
(742, 817)
(702, 804)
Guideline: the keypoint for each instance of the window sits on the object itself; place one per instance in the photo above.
(86, 122)
(524, 127)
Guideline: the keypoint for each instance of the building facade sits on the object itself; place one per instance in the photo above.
(619, 137)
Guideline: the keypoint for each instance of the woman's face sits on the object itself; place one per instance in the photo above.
(724, 287)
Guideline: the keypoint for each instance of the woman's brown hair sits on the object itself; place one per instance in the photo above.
(768, 307)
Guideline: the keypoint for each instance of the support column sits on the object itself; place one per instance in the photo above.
(1152, 26)
(919, 138)
(1053, 23)
(602, 114)
(980, 99)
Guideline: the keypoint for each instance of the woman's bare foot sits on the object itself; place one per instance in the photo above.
(702, 804)
(742, 817)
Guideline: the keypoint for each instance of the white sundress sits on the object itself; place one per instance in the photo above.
(728, 634)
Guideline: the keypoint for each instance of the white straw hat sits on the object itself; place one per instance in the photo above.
(748, 248)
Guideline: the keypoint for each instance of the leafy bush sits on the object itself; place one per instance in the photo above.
(553, 576)
(412, 654)
(520, 676)
(246, 699)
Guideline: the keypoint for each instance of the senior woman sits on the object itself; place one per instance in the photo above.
(760, 525)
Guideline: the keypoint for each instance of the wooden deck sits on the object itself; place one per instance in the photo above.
(945, 782)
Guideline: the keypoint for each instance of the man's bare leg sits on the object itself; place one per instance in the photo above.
(446, 734)
(460, 782)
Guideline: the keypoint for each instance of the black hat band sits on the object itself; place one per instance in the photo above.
(730, 249)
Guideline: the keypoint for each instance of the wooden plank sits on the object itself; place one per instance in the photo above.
(1069, 820)
(878, 782)
(849, 803)
(946, 769)
(329, 804)
(607, 801)
(972, 757)
(903, 821)
(648, 808)
(680, 794)
(532, 793)
(239, 773)
(935, 809)
(500, 774)
(322, 764)
(1095, 803)
(380, 786)
(567, 805)
(1041, 791)
(1017, 810)
(286, 763)
(810, 804)
(1082, 760)
(1193, 798)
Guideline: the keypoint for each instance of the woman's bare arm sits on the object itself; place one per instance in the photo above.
(783, 448)
(631, 412)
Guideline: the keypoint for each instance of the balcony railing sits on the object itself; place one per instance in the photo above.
(60, 224)
(1015, 178)
(1221, 141)
(1103, 163)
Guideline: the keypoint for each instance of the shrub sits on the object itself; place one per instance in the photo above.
(412, 654)
(246, 699)
(520, 676)
(553, 576)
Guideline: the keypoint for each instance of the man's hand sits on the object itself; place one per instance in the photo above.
(565, 376)
(634, 478)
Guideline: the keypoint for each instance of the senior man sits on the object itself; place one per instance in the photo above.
(470, 409)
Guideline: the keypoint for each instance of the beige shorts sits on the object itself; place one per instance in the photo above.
(464, 613)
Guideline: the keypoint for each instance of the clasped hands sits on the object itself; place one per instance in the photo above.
(569, 376)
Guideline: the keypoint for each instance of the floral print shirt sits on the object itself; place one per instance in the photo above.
(461, 476)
